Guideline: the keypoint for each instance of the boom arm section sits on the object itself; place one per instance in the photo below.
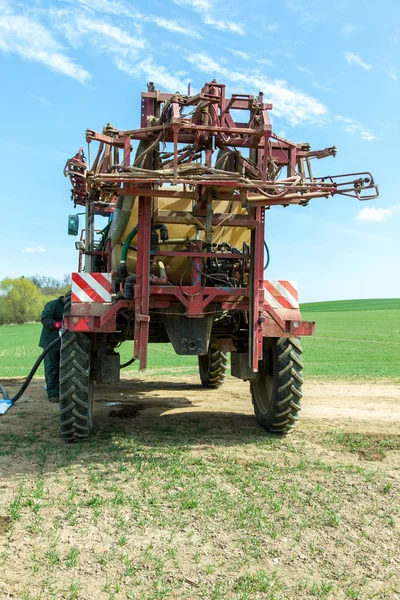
(276, 172)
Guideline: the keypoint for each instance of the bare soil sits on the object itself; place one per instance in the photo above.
(160, 484)
(354, 406)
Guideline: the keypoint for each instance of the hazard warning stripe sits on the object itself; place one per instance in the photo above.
(281, 294)
(91, 287)
(104, 279)
(290, 289)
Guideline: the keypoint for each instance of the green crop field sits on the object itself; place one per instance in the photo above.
(354, 339)
(19, 349)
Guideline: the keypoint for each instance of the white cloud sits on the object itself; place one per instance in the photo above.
(373, 214)
(117, 35)
(393, 76)
(352, 126)
(350, 28)
(101, 34)
(125, 46)
(304, 70)
(264, 61)
(223, 25)
(198, 5)
(353, 59)
(36, 249)
(32, 42)
(243, 55)
(123, 9)
(153, 72)
(205, 9)
(291, 104)
(171, 25)
(41, 100)
(271, 27)
(103, 6)
(321, 86)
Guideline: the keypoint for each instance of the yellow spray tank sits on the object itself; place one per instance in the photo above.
(178, 267)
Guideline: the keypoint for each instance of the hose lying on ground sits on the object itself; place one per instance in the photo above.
(31, 374)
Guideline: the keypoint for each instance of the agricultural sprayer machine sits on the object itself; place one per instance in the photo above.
(181, 258)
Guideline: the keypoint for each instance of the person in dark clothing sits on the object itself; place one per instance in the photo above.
(52, 317)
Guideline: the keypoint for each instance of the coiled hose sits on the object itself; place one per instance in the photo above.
(31, 374)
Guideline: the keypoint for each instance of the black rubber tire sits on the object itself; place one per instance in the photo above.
(76, 388)
(277, 392)
(67, 305)
(212, 367)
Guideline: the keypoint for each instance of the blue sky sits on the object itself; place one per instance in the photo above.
(331, 70)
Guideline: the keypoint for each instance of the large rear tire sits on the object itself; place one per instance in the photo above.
(212, 367)
(277, 391)
(76, 389)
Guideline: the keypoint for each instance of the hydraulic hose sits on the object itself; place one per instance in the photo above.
(31, 374)
(132, 360)
(268, 257)
(125, 247)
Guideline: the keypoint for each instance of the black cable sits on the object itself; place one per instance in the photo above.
(268, 257)
(31, 373)
(127, 363)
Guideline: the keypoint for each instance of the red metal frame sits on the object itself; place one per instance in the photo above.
(257, 183)
(142, 288)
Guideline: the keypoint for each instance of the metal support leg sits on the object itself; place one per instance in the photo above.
(209, 216)
(89, 235)
(195, 299)
(256, 290)
(142, 288)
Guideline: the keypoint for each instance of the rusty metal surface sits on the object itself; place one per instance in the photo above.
(194, 142)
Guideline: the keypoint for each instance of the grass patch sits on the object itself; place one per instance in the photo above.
(169, 513)
(261, 582)
(369, 446)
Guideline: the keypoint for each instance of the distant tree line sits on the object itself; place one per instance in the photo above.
(22, 299)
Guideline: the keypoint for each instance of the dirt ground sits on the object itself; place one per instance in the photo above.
(335, 533)
(362, 407)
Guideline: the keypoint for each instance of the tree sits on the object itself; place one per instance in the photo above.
(50, 286)
(20, 301)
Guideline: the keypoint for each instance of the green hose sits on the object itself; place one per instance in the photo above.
(127, 242)
(104, 232)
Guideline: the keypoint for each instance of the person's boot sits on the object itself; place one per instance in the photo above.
(54, 399)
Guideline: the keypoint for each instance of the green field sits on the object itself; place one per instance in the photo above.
(354, 339)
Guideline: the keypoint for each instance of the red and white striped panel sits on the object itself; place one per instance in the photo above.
(281, 294)
(91, 287)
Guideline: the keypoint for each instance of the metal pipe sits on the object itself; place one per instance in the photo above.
(161, 267)
(89, 237)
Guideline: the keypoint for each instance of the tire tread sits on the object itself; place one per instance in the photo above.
(75, 387)
(212, 367)
(283, 413)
